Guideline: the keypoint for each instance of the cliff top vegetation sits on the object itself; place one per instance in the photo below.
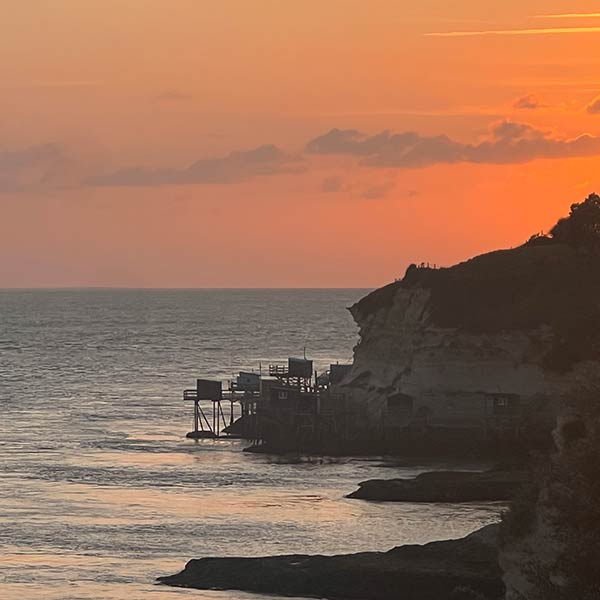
(551, 280)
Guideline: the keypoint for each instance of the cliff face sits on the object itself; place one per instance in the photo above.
(550, 537)
(471, 345)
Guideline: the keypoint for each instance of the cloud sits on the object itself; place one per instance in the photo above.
(387, 149)
(592, 15)
(346, 141)
(529, 102)
(508, 142)
(331, 185)
(173, 95)
(378, 191)
(233, 168)
(28, 157)
(593, 108)
(59, 84)
(36, 166)
(541, 31)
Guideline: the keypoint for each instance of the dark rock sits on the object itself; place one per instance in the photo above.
(433, 571)
(200, 435)
(444, 486)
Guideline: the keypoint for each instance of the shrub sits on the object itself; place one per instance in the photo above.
(581, 228)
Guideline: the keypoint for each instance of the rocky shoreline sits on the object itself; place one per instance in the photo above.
(441, 570)
(444, 486)
(425, 447)
(485, 358)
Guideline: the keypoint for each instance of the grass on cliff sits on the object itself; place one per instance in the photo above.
(524, 288)
(516, 289)
(552, 281)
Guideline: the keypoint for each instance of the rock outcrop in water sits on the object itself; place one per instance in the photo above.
(444, 486)
(439, 570)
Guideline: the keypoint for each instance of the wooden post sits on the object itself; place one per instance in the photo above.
(196, 415)
(221, 417)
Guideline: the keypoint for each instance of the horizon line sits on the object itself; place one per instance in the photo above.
(166, 289)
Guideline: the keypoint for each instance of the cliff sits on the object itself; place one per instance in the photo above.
(489, 345)
(551, 536)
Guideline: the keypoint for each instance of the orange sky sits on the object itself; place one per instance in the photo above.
(90, 90)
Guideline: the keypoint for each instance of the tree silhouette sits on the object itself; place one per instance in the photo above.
(582, 227)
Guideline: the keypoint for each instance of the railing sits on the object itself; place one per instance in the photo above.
(244, 387)
(275, 370)
(232, 396)
(193, 395)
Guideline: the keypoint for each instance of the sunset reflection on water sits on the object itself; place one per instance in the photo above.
(100, 491)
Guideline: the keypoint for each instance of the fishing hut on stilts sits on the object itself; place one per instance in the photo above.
(215, 410)
(209, 417)
(291, 402)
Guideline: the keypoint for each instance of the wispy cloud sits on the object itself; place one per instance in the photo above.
(593, 15)
(331, 185)
(535, 31)
(35, 167)
(593, 108)
(56, 84)
(173, 95)
(529, 102)
(378, 191)
(233, 168)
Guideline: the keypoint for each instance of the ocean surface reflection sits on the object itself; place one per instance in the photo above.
(100, 492)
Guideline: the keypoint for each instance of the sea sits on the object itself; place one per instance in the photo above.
(101, 492)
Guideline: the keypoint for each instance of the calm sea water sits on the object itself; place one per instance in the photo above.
(100, 492)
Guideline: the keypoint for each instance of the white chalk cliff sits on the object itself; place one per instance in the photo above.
(425, 356)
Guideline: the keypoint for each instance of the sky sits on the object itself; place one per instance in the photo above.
(296, 143)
